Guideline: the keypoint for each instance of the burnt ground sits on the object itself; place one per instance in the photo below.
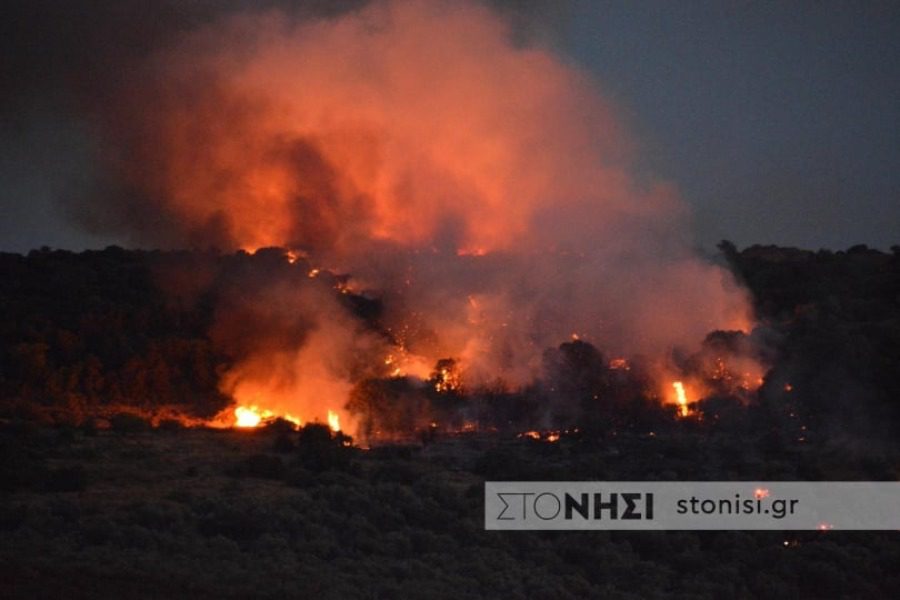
(274, 513)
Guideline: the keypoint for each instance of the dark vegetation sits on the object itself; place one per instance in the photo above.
(835, 322)
(81, 332)
(159, 510)
(222, 513)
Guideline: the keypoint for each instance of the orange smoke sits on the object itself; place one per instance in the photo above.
(482, 188)
(407, 121)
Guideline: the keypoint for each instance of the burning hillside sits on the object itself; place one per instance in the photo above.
(477, 193)
(170, 336)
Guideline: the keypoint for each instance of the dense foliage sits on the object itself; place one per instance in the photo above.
(82, 331)
(274, 514)
(835, 322)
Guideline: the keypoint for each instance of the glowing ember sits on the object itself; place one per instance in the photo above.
(334, 421)
(544, 436)
(390, 361)
(446, 378)
(619, 363)
(681, 399)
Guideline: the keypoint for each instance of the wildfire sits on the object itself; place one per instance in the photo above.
(550, 436)
(334, 421)
(248, 417)
(396, 370)
(447, 379)
(619, 363)
(734, 373)
(400, 363)
(681, 399)
(354, 181)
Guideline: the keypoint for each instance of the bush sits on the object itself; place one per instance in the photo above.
(280, 426)
(263, 466)
(284, 444)
(66, 479)
(170, 425)
(318, 449)
(129, 423)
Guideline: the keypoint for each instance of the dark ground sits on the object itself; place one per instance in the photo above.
(207, 513)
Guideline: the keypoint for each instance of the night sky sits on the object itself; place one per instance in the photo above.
(779, 122)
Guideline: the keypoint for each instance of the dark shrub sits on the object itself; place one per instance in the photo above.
(280, 426)
(318, 449)
(170, 425)
(284, 444)
(65, 435)
(88, 427)
(239, 524)
(396, 471)
(17, 472)
(392, 452)
(66, 479)
(300, 477)
(264, 466)
(129, 423)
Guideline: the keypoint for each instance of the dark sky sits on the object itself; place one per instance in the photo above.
(778, 121)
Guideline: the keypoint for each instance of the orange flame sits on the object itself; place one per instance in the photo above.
(334, 421)
(619, 363)
(247, 416)
(681, 399)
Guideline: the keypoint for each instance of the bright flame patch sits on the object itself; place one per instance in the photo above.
(681, 399)
(334, 421)
(247, 416)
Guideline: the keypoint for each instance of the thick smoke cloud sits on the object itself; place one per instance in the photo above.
(479, 186)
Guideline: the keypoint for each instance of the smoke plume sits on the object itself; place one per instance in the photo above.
(481, 188)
